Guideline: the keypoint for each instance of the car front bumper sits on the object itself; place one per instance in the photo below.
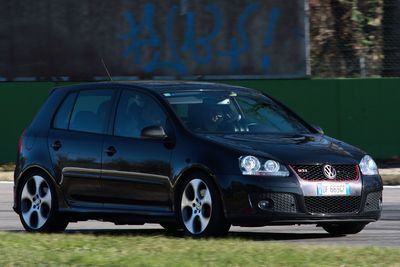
(290, 201)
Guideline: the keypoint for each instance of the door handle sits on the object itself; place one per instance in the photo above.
(56, 145)
(110, 151)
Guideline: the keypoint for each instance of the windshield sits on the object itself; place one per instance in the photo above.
(227, 113)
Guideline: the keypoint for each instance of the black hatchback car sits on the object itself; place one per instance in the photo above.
(188, 155)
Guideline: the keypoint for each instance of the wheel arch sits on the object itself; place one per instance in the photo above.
(28, 170)
(195, 168)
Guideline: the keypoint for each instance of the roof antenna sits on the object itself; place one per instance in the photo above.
(105, 67)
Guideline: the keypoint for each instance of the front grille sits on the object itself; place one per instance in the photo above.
(283, 202)
(333, 204)
(373, 201)
(315, 172)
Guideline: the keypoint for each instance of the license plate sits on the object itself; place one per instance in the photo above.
(333, 189)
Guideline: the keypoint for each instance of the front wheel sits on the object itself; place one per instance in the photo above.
(38, 205)
(201, 211)
(338, 229)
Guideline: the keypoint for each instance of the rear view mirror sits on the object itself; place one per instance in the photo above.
(318, 129)
(154, 132)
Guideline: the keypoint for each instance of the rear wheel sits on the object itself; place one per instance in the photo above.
(201, 212)
(344, 228)
(38, 205)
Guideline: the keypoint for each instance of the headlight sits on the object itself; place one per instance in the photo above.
(368, 166)
(271, 166)
(250, 165)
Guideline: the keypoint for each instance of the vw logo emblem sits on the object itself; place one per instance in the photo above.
(329, 172)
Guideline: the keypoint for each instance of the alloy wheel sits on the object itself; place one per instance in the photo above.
(196, 206)
(36, 202)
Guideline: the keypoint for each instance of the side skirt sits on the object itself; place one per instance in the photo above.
(119, 217)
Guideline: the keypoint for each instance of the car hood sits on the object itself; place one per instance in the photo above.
(292, 149)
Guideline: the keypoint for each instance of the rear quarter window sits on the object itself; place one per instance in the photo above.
(61, 119)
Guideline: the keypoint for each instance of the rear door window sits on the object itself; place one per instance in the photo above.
(91, 111)
(61, 120)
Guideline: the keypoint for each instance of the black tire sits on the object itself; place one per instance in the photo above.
(171, 227)
(339, 229)
(54, 221)
(217, 223)
(59, 225)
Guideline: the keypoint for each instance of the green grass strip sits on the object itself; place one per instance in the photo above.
(23, 249)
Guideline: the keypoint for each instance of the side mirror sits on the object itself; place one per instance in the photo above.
(153, 132)
(318, 129)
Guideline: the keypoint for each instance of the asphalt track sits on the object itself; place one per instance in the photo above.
(385, 232)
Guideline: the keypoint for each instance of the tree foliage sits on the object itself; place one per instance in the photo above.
(346, 37)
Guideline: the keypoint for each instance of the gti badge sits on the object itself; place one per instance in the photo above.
(329, 172)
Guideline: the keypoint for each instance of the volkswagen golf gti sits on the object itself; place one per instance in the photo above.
(191, 156)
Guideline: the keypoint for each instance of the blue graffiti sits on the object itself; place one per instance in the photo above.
(236, 51)
(191, 43)
(175, 61)
(133, 35)
(272, 24)
(201, 49)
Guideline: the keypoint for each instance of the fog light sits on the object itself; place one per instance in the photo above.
(266, 204)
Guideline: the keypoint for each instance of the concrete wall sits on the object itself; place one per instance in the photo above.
(363, 112)
(58, 39)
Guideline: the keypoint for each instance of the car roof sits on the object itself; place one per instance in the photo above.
(167, 86)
